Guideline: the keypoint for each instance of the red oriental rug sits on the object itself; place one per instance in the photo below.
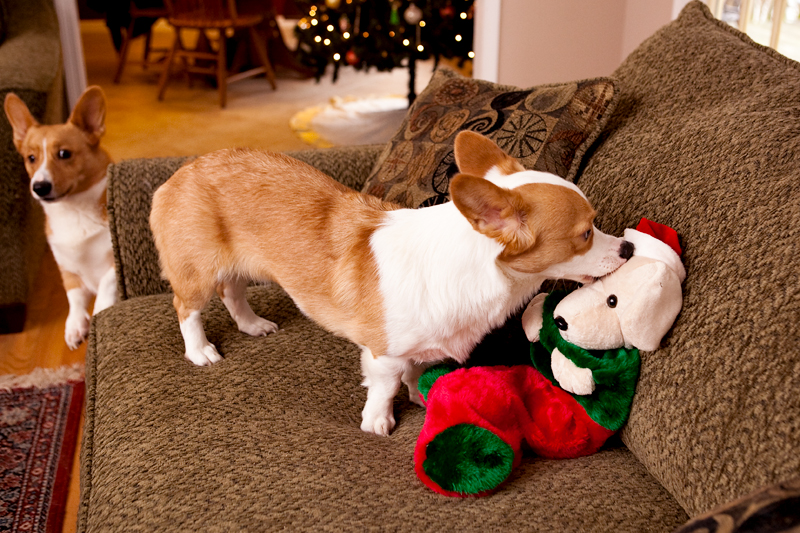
(39, 423)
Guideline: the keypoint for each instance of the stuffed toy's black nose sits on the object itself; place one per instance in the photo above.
(626, 250)
(561, 323)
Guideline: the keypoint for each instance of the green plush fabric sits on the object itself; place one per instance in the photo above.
(706, 139)
(614, 371)
(429, 377)
(468, 459)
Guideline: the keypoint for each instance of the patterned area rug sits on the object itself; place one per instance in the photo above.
(39, 423)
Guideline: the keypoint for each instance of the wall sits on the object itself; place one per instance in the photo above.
(530, 42)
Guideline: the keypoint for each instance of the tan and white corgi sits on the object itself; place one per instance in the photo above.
(67, 168)
(409, 286)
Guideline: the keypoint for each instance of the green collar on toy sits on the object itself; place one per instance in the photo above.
(615, 371)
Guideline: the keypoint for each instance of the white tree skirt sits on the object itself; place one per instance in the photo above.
(350, 121)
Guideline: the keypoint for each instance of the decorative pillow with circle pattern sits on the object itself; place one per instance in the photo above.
(547, 128)
(773, 509)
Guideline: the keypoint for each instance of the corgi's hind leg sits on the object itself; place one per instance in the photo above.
(198, 350)
(233, 295)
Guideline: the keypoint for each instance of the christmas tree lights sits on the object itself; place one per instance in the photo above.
(384, 34)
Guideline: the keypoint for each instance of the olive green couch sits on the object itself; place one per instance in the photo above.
(31, 67)
(705, 138)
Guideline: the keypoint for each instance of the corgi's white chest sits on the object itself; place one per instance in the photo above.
(79, 237)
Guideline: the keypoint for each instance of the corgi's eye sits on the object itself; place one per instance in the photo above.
(587, 235)
(31, 159)
(612, 301)
(64, 154)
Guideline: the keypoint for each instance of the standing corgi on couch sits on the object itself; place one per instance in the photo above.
(67, 168)
(409, 286)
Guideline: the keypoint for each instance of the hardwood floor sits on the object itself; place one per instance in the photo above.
(41, 345)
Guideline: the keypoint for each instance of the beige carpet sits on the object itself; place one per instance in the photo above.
(189, 121)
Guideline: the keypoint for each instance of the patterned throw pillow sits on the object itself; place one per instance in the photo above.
(774, 509)
(547, 128)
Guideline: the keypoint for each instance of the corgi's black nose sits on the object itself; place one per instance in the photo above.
(42, 188)
(561, 323)
(626, 250)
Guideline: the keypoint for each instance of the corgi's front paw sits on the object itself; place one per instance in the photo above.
(207, 355)
(377, 422)
(77, 328)
(381, 426)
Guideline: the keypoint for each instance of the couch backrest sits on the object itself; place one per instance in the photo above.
(706, 139)
(130, 193)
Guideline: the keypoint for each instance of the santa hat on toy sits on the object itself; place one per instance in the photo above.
(659, 242)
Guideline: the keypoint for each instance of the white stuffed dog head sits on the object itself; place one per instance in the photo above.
(633, 306)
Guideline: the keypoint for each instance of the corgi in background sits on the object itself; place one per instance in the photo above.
(409, 286)
(67, 170)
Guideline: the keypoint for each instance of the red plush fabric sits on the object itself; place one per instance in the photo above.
(514, 403)
(661, 232)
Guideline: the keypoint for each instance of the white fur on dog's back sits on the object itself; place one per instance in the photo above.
(441, 285)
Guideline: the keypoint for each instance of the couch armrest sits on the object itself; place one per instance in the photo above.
(350, 165)
(30, 66)
(30, 54)
(130, 192)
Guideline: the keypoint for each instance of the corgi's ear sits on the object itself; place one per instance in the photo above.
(498, 213)
(89, 114)
(476, 154)
(19, 117)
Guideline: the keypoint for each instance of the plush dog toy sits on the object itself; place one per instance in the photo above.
(579, 390)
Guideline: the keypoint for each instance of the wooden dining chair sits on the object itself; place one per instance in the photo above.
(136, 14)
(221, 16)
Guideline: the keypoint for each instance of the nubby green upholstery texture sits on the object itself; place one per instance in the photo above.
(705, 138)
(30, 66)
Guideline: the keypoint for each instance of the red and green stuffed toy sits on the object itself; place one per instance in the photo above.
(571, 398)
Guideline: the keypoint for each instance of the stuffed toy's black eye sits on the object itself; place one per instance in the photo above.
(587, 235)
(31, 159)
(64, 154)
(612, 301)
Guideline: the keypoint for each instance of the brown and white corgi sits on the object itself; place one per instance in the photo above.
(409, 286)
(67, 168)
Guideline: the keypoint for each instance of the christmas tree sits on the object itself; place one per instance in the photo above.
(384, 34)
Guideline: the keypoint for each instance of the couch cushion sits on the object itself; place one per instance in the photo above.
(30, 57)
(706, 139)
(268, 439)
(547, 128)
